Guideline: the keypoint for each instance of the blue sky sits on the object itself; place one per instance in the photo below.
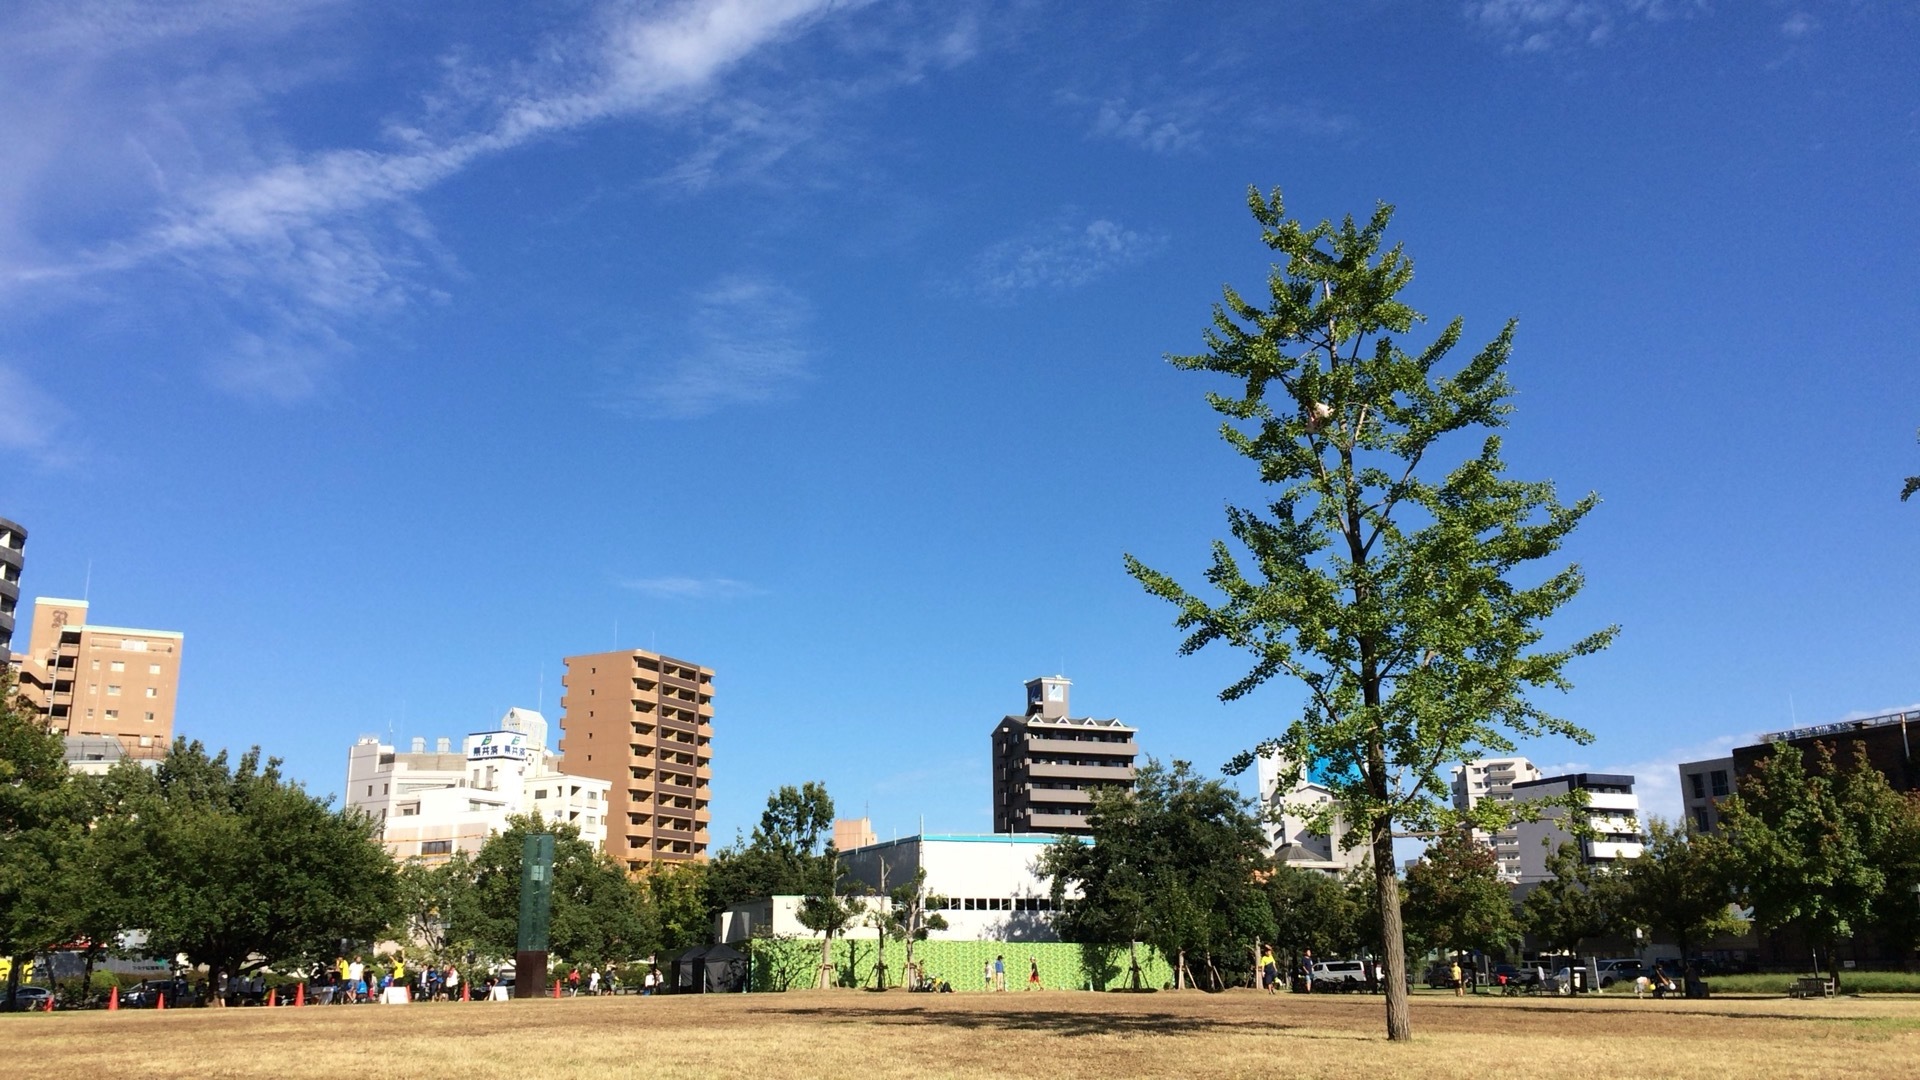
(394, 353)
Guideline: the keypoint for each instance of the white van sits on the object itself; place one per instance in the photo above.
(1340, 975)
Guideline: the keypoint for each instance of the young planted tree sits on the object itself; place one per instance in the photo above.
(825, 910)
(1387, 579)
(909, 920)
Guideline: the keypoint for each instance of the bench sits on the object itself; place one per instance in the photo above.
(1809, 987)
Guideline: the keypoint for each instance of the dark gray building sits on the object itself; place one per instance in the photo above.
(1047, 763)
(13, 553)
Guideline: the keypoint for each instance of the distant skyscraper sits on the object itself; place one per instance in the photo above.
(101, 682)
(644, 723)
(13, 553)
(1046, 763)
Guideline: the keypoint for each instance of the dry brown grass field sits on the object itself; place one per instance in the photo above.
(856, 1034)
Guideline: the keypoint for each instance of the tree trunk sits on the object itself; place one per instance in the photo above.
(13, 977)
(1256, 965)
(824, 979)
(1392, 933)
(1133, 956)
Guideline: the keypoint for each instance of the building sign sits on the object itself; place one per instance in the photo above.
(497, 744)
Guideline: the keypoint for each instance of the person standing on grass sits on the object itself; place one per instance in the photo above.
(1000, 973)
(1306, 971)
(986, 973)
(593, 983)
(1269, 970)
(1459, 988)
(1033, 973)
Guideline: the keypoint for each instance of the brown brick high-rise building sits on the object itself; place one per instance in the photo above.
(644, 722)
(103, 681)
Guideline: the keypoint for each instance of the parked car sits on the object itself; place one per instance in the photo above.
(1340, 975)
(1439, 976)
(143, 995)
(1513, 974)
(30, 998)
(1620, 971)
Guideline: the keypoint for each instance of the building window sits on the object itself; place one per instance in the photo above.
(1701, 819)
(113, 714)
(1719, 783)
(113, 690)
(539, 793)
(1699, 782)
(153, 669)
(151, 692)
(436, 847)
(148, 718)
(133, 646)
(117, 665)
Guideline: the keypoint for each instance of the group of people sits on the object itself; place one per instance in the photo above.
(994, 973)
(356, 981)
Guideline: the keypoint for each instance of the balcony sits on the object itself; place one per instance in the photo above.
(1607, 800)
(1077, 748)
(1039, 822)
(1605, 849)
(1094, 774)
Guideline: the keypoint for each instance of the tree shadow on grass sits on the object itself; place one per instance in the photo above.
(1069, 1024)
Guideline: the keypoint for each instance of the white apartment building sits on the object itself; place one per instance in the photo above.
(433, 803)
(1287, 816)
(1613, 811)
(1493, 778)
(1702, 785)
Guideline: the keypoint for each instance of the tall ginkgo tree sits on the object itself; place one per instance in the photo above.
(1391, 572)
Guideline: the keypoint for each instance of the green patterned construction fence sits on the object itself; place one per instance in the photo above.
(791, 964)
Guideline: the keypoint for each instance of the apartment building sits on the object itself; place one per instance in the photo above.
(101, 682)
(433, 803)
(1046, 762)
(1612, 812)
(1494, 778)
(643, 722)
(1289, 810)
(13, 554)
(1702, 785)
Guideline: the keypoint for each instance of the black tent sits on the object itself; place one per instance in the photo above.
(715, 969)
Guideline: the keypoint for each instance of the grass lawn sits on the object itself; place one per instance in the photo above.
(1048, 1034)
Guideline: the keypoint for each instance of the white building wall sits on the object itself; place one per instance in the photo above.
(1615, 814)
(990, 886)
(432, 804)
(1287, 815)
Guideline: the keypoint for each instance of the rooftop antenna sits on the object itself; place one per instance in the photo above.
(1792, 714)
(86, 590)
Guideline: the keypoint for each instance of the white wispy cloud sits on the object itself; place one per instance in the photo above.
(743, 341)
(32, 423)
(1544, 25)
(1162, 129)
(1191, 120)
(691, 588)
(1064, 255)
(305, 242)
(1798, 25)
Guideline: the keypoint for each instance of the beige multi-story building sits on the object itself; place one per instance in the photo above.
(1047, 763)
(101, 682)
(1301, 825)
(644, 723)
(1493, 778)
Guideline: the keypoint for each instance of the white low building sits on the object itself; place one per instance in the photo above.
(1612, 813)
(433, 803)
(1287, 815)
(986, 887)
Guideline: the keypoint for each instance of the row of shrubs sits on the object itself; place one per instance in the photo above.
(1851, 982)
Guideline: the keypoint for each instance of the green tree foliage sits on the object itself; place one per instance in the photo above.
(238, 868)
(1912, 485)
(1332, 916)
(1176, 862)
(674, 897)
(1810, 849)
(595, 916)
(37, 825)
(430, 899)
(1679, 887)
(1578, 902)
(908, 918)
(1456, 900)
(781, 858)
(1381, 574)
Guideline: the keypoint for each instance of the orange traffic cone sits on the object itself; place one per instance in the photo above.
(113, 998)
(50, 1001)
(160, 1001)
(465, 989)
(556, 989)
(273, 997)
(299, 995)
